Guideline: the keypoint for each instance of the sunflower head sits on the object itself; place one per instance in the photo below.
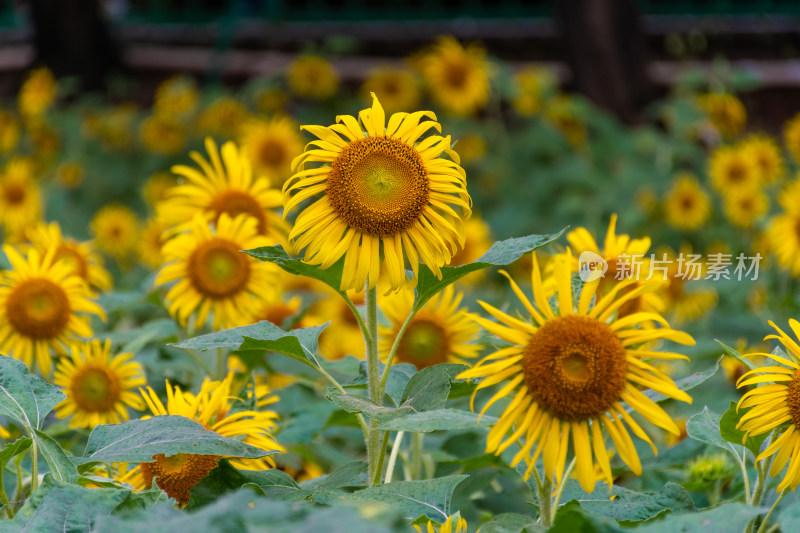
(687, 206)
(313, 77)
(398, 89)
(163, 134)
(9, 132)
(272, 145)
(116, 231)
(224, 117)
(767, 155)
(37, 93)
(725, 111)
(732, 168)
(457, 76)
(532, 86)
(744, 207)
(791, 136)
(380, 192)
(176, 96)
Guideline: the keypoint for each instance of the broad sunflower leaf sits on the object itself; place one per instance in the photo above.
(571, 518)
(300, 344)
(331, 276)
(399, 376)
(721, 519)
(137, 441)
(733, 352)
(511, 523)
(727, 428)
(13, 449)
(438, 420)
(705, 427)
(25, 397)
(687, 383)
(61, 466)
(428, 389)
(501, 253)
(360, 404)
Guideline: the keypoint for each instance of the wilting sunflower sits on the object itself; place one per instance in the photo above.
(223, 117)
(151, 242)
(20, 199)
(37, 93)
(156, 187)
(731, 168)
(224, 184)
(213, 276)
(725, 111)
(215, 407)
(440, 332)
(99, 388)
(791, 136)
(44, 307)
(70, 174)
(162, 134)
(453, 524)
(176, 96)
(343, 336)
(775, 403)
(383, 190)
(457, 77)
(568, 373)
(767, 155)
(272, 145)
(687, 206)
(397, 88)
(532, 86)
(81, 257)
(312, 77)
(744, 207)
(9, 132)
(116, 231)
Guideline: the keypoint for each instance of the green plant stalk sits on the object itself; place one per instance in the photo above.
(34, 465)
(763, 527)
(3, 496)
(560, 490)
(543, 489)
(758, 490)
(373, 382)
(395, 346)
(359, 318)
(393, 457)
(379, 470)
(18, 464)
(416, 455)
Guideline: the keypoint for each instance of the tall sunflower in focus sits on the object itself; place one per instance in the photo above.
(687, 206)
(377, 192)
(116, 231)
(272, 145)
(397, 88)
(440, 332)
(37, 93)
(99, 388)
(312, 77)
(775, 404)
(732, 168)
(20, 199)
(457, 77)
(767, 154)
(215, 407)
(45, 307)
(725, 111)
(568, 373)
(223, 184)
(212, 276)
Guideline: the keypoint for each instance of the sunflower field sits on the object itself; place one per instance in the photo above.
(453, 298)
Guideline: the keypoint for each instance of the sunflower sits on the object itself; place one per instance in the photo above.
(687, 206)
(162, 134)
(570, 372)
(45, 307)
(70, 174)
(453, 524)
(774, 404)
(213, 275)
(379, 190)
(732, 168)
(270, 100)
(81, 257)
(478, 241)
(791, 136)
(156, 187)
(457, 77)
(725, 111)
(272, 145)
(562, 113)
(222, 185)
(176, 96)
(45, 140)
(9, 132)
(20, 199)
(151, 242)
(312, 77)
(744, 207)
(681, 296)
(116, 231)
(783, 238)
(215, 407)
(440, 332)
(343, 336)
(223, 117)
(37, 92)
(397, 88)
(99, 388)
(767, 155)
(532, 86)
(471, 148)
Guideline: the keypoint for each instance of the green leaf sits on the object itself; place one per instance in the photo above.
(733, 352)
(571, 518)
(511, 523)
(428, 389)
(344, 476)
(359, 404)
(430, 497)
(399, 375)
(25, 397)
(61, 466)
(632, 506)
(300, 344)
(727, 428)
(500, 254)
(705, 427)
(331, 276)
(687, 383)
(722, 519)
(438, 420)
(138, 441)
(13, 449)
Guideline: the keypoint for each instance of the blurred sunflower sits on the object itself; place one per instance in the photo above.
(440, 332)
(732, 168)
(453, 524)
(225, 184)
(774, 404)
(743, 207)
(162, 134)
(45, 140)
(223, 117)
(99, 388)
(783, 238)
(343, 336)
(70, 174)
(684, 300)
(562, 113)
(471, 148)
(9, 132)
(20, 199)
(45, 307)
(176, 96)
(37, 92)
(116, 231)
(270, 100)
(397, 88)
(213, 276)
(81, 257)
(305, 471)
(156, 187)
(725, 111)
(457, 77)
(382, 190)
(312, 77)
(283, 311)
(478, 241)
(733, 368)
(571, 371)
(687, 206)
(791, 136)
(767, 154)
(215, 407)
(271, 145)
(531, 87)
(151, 242)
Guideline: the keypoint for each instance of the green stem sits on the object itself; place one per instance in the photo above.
(338, 387)
(359, 318)
(416, 455)
(393, 457)
(745, 477)
(373, 381)
(761, 481)
(18, 463)
(545, 511)
(379, 470)
(763, 527)
(3, 497)
(395, 346)
(34, 465)
(557, 497)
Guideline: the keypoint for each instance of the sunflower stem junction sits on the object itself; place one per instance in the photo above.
(34, 466)
(763, 527)
(544, 488)
(395, 346)
(379, 471)
(373, 381)
(560, 490)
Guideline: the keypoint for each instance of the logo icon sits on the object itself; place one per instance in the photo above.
(591, 266)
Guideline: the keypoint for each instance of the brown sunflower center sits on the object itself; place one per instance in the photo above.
(70, 255)
(178, 474)
(217, 268)
(235, 203)
(378, 185)
(455, 74)
(95, 389)
(38, 308)
(277, 313)
(793, 398)
(736, 173)
(271, 153)
(575, 367)
(14, 193)
(687, 202)
(424, 344)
